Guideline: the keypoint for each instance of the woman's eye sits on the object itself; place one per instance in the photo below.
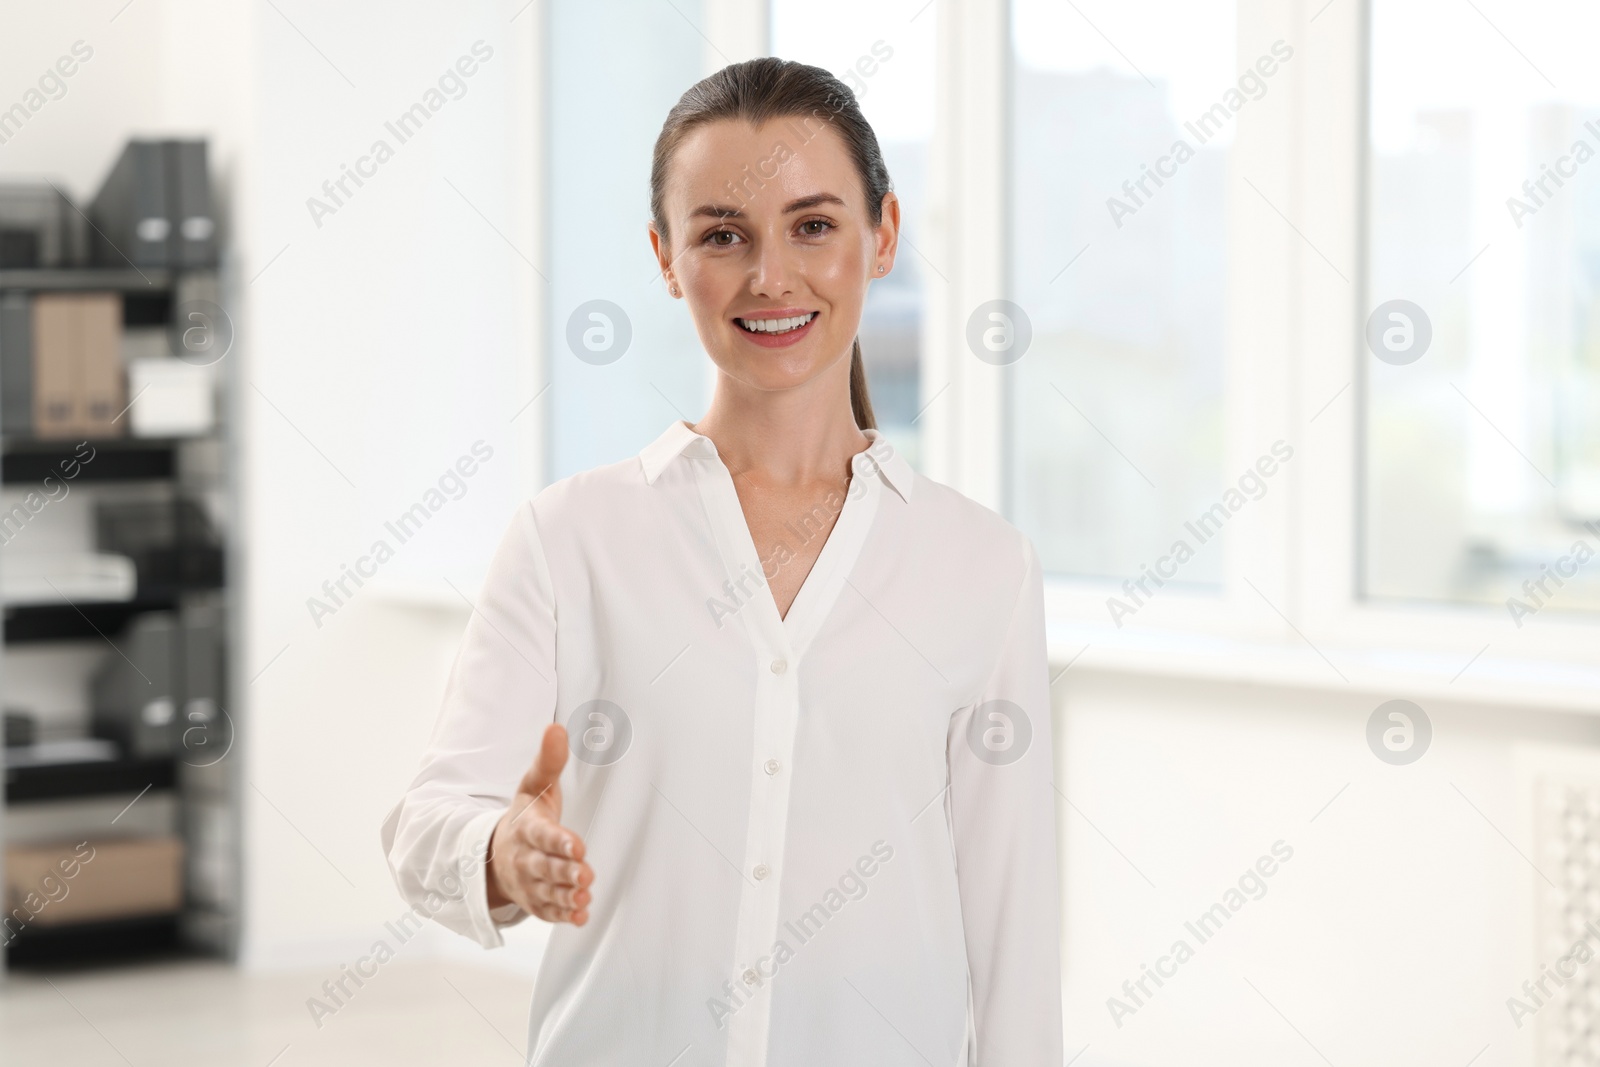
(823, 226)
(713, 238)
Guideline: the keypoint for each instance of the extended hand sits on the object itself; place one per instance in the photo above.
(534, 861)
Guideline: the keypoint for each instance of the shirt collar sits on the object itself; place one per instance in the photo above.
(680, 439)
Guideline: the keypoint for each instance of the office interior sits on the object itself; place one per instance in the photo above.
(1275, 326)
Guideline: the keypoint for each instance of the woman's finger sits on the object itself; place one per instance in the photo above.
(544, 891)
(559, 871)
(551, 837)
(542, 778)
(551, 913)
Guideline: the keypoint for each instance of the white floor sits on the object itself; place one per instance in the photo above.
(211, 1015)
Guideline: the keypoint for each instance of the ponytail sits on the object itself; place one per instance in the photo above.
(860, 403)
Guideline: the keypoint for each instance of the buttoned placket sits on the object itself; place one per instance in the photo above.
(778, 645)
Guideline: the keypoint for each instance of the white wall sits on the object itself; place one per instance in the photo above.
(386, 341)
(371, 353)
(1393, 936)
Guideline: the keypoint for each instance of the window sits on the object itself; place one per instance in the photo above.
(624, 357)
(1119, 264)
(1482, 429)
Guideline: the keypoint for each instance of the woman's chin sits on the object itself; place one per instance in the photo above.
(771, 373)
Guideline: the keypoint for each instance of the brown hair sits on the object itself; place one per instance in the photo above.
(756, 91)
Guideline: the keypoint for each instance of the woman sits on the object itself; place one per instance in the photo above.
(807, 817)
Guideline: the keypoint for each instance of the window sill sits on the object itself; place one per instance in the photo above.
(1382, 672)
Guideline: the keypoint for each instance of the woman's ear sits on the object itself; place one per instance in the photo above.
(887, 235)
(663, 254)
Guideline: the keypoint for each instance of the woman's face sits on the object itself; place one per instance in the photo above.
(772, 244)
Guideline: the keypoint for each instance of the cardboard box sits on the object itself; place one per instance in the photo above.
(55, 885)
(105, 383)
(79, 389)
(55, 366)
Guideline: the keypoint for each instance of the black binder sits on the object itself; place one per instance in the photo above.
(39, 228)
(154, 208)
(193, 242)
(16, 364)
(131, 213)
(136, 690)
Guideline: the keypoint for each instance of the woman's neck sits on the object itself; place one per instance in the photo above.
(784, 440)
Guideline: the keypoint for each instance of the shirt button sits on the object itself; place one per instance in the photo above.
(779, 666)
(751, 978)
(761, 871)
(773, 766)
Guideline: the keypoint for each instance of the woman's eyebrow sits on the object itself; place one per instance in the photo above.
(722, 211)
(807, 202)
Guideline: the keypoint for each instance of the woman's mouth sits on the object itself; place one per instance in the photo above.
(776, 332)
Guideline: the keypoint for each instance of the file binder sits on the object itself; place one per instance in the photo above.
(16, 364)
(131, 213)
(154, 208)
(193, 240)
(137, 706)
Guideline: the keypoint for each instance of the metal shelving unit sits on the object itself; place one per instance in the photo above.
(154, 280)
(202, 781)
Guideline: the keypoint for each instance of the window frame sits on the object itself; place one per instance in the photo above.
(1306, 146)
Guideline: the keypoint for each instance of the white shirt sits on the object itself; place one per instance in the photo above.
(816, 839)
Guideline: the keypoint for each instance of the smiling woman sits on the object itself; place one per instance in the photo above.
(797, 131)
(883, 688)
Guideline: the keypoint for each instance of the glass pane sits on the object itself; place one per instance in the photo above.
(1482, 429)
(887, 56)
(1123, 117)
(624, 357)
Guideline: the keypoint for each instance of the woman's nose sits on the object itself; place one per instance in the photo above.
(773, 272)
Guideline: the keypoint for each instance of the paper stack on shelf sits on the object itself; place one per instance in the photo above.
(61, 750)
(34, 577)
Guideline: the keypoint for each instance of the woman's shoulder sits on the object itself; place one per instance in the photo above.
(964, 529)
(597, 494)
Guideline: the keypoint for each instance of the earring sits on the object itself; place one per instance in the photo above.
(881, 270)
(674, 290)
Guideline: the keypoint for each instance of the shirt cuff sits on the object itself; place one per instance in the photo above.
(471, 853)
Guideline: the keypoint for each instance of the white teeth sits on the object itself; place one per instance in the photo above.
(794, 322)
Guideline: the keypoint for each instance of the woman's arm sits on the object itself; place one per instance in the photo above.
(499, 699)
(1002, 804)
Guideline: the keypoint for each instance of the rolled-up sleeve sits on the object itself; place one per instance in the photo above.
(1003, 818)
(500, 696)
